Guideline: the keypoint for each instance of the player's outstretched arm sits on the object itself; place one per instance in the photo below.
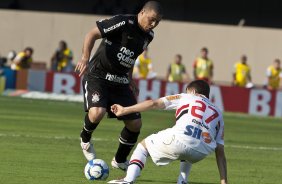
(88, 44)
(119, 110)
(221, 163)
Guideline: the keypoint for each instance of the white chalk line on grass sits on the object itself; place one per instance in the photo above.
(103, 139)
(48, 137)
(254, 147)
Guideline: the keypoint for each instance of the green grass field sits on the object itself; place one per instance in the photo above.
(39, 143)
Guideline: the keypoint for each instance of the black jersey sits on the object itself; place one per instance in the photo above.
(123, 41)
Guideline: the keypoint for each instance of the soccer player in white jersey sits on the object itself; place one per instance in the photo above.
(198, 131)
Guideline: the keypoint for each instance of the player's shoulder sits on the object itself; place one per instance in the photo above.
(269, 68)
(174, 97)
(209, 103)
(129, 18)
(21, 54)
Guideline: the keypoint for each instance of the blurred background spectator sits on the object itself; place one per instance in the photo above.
(10, 57)
(62, 58)
(176, 71)
(242, 74)
(203, 66)
(23, 59)
(3, 62)
(274, 75)
(143, 68)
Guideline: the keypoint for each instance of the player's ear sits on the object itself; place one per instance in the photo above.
(142, 11)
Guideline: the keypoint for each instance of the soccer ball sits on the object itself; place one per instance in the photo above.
(96, 169)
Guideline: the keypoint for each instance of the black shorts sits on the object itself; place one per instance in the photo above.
(101, 93)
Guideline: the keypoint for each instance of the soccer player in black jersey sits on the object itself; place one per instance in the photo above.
(108, 75)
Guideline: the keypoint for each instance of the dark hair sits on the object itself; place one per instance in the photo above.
(205, 49)
(179, 56)
(154, 5)
(277, 61)
(29, 49)
(200, 87)
(64, 43)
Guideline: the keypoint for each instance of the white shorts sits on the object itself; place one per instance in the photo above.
(167, 146)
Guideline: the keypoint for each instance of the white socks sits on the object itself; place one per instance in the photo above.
(185, 168)
(137, 162)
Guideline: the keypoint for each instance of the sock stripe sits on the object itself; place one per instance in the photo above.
(87, 130)
(126, 143)
(137, 162)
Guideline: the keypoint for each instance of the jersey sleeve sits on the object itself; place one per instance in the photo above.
(220, 135)
(112, 25)
(171, 102)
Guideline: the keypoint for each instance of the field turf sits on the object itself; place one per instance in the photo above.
(39, 144)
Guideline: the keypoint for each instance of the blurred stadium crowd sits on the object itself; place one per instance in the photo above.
(62, 61)
(235, 12)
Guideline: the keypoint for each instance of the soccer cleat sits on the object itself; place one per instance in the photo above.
(120, 182)
(123, 166)
(88, 150)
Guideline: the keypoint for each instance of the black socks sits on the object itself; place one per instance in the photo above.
(87, 130)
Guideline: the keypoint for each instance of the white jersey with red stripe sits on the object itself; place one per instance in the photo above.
(199, 123)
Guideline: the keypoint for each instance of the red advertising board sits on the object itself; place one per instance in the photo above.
(232, 99)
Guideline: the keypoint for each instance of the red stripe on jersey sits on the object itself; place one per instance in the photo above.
(137, 161)
(180, 109)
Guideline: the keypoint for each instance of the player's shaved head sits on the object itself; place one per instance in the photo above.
(155, 6)
(150, 15)
(200, 87)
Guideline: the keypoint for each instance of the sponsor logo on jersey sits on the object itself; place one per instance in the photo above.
(95, 97)
(114, 27)
(200, 123)
(116, 78)
(126, 57)
(197, 133)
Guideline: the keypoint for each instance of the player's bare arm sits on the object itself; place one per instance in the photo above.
(221, 163)
(88, 45)
(119, 110)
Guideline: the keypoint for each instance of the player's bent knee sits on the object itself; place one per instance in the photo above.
(133, 125)
(96, 114)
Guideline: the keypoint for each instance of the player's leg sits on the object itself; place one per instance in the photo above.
(136, 164)
(185, 168)
(95, 103)
(127, 140)
(129, 134)
(91, 121)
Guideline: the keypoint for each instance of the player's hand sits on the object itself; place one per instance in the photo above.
(81, 67)
(118, 110)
